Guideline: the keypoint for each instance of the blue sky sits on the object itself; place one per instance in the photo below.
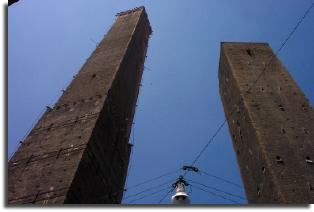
(179, 106)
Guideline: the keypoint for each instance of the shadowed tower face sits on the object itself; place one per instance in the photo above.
(271, 125)
(78, 152)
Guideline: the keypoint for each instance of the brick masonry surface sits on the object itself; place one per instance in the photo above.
(271, 124)
(78, 152)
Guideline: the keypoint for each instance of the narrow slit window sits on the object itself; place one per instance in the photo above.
(258, 191)
(279, 160)
(249, 52)
(50, 126)
(283, 131)
(304, 107)
(308, 160)
(305, 131)
(281, 108)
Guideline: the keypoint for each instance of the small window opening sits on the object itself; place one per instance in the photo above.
(250, 152)
(305, 131)
(283, 131)
(263, 170)
(279, 160)
(50, 126)
(281, 108)
(256, 106)
(94, 75)
(249, 52)
(239, 131)
(258, 191)
(311, 187)
(304, 107)
(308, 160)
(233, 136)
(237, 108)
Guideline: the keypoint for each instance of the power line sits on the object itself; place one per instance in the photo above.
(209, 142)
(152, 179)
(221, 179)
(225, 120)
(216, 189)
(215, 194)
(149, 189)
(171, 190)
(156, 192)
(254, 82)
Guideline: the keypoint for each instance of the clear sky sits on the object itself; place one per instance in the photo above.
(179, 106)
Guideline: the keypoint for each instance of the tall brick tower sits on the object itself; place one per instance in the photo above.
(78, 152)
(272, 125)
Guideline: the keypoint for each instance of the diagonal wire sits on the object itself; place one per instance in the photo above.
(215, 194)
(221, 179)
(149, 189)
(150, 194)
(152, 179)
(171, 190)
(254, 82)
(209, 142)
(216, 189)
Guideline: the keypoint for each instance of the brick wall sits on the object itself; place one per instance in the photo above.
(271, 124)
(78, 152)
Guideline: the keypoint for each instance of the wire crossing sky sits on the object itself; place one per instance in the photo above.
(179, 106)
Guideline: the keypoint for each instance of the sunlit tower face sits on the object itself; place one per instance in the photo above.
(269, 120)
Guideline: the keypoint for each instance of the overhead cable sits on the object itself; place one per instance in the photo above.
(152, 179)
(256, 80)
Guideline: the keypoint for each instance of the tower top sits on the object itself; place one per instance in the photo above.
(130, 11)
(223, 43)
(136, 9)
